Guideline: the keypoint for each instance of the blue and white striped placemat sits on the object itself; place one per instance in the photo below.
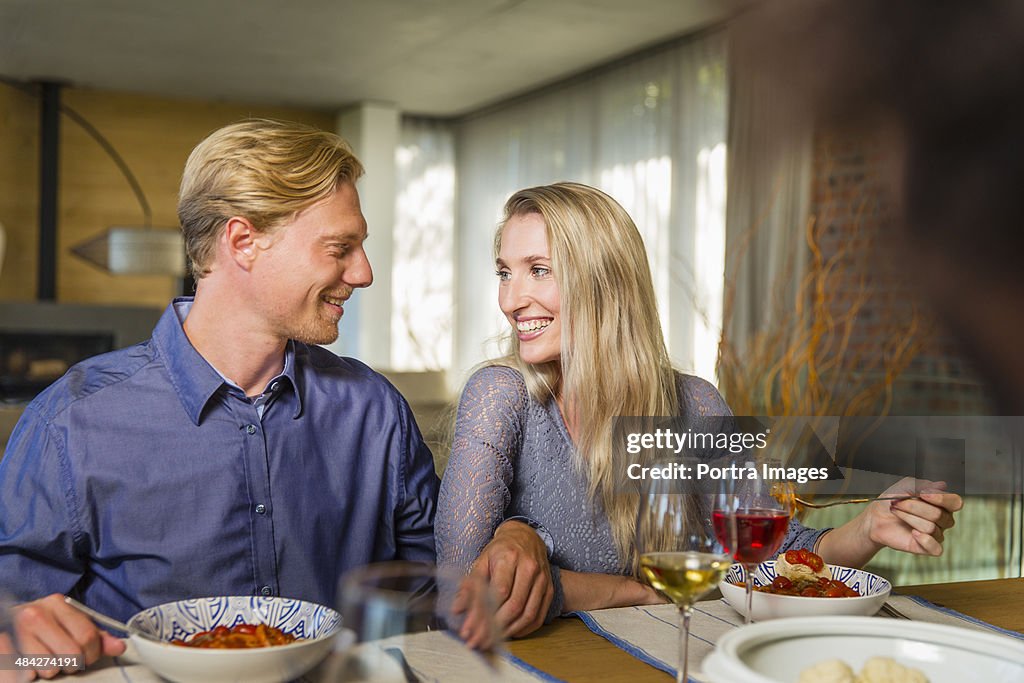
(651, 633)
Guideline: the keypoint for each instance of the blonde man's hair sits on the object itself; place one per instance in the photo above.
(613, 356)
(265, 171)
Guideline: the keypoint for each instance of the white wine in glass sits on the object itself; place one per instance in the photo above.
(678, 553)
(683, 577)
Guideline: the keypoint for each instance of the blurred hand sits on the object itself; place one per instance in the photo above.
(913, 525)
(49, 626)
(474, 603)
(515, 564)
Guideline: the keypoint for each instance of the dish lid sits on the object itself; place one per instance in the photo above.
(778, 651)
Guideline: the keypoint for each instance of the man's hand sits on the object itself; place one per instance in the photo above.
(515, 564)
(915, 525)
(49, 626)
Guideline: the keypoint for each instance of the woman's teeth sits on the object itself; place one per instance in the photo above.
(532, 325)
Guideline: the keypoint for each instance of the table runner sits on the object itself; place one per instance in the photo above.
(651, 634)
(433, 657)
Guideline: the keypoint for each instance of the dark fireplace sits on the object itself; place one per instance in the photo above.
(31, 361)
(39, 341)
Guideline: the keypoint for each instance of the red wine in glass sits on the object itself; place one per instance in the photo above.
(759, 533)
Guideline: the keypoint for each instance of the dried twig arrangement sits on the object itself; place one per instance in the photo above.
(819, 356)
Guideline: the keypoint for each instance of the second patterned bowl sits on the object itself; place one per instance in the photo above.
(873, 589)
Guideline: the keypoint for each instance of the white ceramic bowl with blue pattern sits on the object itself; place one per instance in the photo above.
(873, 591)
(315, 625)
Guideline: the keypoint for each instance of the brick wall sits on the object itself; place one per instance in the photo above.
(854, 211)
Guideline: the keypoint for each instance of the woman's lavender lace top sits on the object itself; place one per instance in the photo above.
(512, 456)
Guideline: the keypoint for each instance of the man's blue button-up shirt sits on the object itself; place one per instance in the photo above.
(142, 477)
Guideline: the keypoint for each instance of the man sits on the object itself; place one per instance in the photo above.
(228, 454)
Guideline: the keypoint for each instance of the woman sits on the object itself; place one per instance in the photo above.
(532, 436)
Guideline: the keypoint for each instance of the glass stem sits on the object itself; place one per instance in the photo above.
(749, 569)
(685, 611)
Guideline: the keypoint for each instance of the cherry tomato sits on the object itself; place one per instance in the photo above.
(814, 562)
(781, 583)
(793, 557)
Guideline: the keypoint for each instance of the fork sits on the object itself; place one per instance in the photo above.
(817, 506)
(891, 611)
(109, 622)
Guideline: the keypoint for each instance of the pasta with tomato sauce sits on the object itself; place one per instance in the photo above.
(801, 572)
(239, 636)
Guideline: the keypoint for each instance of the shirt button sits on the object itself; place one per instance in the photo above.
(261, 508)
(273, 387)
(250, 429)
(266, 591)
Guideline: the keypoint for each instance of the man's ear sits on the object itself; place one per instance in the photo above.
(240, 241)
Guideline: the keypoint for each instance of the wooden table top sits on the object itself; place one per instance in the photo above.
(568, 650)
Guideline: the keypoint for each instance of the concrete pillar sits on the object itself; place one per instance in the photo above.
(373, 130)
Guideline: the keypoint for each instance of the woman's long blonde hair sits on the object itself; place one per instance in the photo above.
(613, 356)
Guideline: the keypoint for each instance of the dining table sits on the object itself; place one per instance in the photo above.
(566, 649)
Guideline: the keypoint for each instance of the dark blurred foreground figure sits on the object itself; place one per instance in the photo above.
(943, 81)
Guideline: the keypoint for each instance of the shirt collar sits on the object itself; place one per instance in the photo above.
(290, 373)
(194, 379)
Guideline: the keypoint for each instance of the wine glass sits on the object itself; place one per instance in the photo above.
(415, 621)
(751, 517)
(677, 550)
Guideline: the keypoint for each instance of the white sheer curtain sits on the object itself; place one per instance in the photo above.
(421, 279)
(650, 132)
(770, 177)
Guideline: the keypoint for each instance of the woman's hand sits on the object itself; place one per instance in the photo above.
(915, 525)
(585, 591)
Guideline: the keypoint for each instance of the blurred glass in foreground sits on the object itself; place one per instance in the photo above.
(414, 621)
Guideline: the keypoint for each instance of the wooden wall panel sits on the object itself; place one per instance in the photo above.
(19, 192)
(154, 135)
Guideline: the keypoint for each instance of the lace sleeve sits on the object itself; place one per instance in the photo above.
(700, 397)
(798, 536)
(475, 487)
